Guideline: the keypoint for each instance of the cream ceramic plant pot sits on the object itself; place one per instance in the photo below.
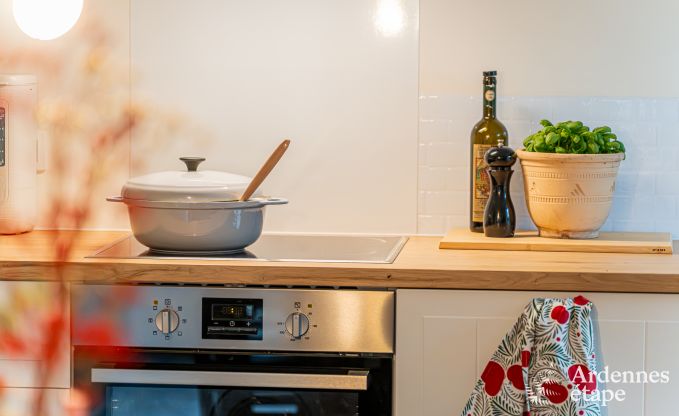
(569, 195)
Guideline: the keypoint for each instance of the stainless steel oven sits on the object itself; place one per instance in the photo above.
(208, 351)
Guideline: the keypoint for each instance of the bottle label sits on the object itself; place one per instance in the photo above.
(480, 183)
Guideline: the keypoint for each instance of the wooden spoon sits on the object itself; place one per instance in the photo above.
(265, 170)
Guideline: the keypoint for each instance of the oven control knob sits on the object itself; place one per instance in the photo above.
(297, 324)
(167, 321)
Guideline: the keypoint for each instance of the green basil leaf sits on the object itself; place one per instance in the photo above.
(574, 125)
(602, 129)
(552, 139)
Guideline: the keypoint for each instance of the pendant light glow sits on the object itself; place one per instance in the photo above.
(46, 19)
(390, 18)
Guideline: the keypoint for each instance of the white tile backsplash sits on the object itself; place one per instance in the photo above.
(443, 202)
(442, 154)
(664, 110)
(635, 184)
(524, 108)
(435, 130)
(668, 134)
(438, 178)
(646, 196)
(572, 108)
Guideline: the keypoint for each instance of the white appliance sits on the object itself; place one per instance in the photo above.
(18, 153)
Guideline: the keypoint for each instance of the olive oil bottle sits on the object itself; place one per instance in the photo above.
(485, 135)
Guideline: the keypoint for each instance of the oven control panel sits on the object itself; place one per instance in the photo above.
(232, 318)
(299, 324)
(266, 319)
(165, 320)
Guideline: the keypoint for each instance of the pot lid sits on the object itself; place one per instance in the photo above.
(186, 185)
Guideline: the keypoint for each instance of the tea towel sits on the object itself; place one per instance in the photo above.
(545, 366)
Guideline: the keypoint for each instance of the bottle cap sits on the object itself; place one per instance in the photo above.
(489, 73)
(500, 156)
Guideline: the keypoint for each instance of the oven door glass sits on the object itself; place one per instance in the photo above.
(123, 382)
(166, 392)
(124, 400)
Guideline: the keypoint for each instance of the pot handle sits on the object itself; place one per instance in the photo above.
(115, 199)
(271, 201)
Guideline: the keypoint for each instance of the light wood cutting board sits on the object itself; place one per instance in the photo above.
(643, 243)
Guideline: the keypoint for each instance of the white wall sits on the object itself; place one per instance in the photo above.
(319, 72)
(551, 47)
(229, 79)
(606, 62)
(60, 65)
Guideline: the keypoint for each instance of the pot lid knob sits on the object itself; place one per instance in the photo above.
(192, 162)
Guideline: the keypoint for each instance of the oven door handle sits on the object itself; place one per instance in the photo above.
(352, 380)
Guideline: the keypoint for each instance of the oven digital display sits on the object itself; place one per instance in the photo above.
(2, 136)
(221, 312)
(232, 319)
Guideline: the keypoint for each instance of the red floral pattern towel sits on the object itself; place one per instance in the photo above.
(540, 363)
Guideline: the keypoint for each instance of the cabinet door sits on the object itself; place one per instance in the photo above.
(20, 402)
(444, 338)
(22, 306)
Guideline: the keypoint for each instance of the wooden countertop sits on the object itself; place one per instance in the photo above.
(420, 265)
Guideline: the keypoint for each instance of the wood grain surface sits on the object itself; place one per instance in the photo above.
(607, 242)
(421, 264)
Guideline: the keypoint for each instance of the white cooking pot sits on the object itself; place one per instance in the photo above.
(192, 211)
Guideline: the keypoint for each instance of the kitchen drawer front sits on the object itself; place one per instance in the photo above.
(16, 401)
(22, 304)
(25, 373)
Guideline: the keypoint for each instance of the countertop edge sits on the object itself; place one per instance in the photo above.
(131, 273)
(420, 265)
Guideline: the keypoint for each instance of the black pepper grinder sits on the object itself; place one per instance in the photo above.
(499, 219)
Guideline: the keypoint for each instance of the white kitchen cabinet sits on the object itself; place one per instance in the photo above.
(19, 402)
(444, 338)
(22, 304)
